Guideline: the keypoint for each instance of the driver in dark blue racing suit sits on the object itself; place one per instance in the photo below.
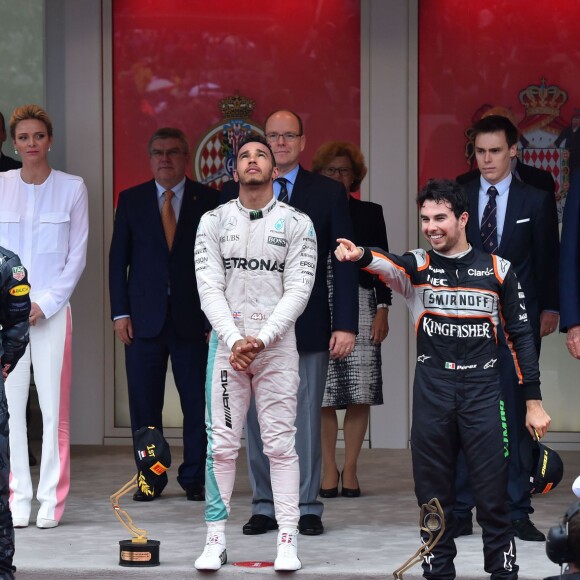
(14, 312)
(459, 298)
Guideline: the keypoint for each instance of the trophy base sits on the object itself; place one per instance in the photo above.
(139, 553)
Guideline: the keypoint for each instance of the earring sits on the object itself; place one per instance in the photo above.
(49, 148)
(15, 152)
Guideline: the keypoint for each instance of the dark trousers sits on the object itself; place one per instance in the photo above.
(6, 529)
(146, 364)
(520, 449)
(453, 410)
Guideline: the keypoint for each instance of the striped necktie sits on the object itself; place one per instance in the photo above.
(489, 223)
(283, 195)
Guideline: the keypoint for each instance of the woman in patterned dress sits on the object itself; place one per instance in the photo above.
(355, 382)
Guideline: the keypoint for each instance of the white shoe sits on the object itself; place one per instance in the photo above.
(214, 555)
(20, 522)
(45, 524)
(287, 558)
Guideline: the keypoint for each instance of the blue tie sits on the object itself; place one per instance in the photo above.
(283, 195)
(489, 223)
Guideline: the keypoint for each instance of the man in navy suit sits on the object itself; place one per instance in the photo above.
(154, 301)
(570, 270)
(324, 201)
(6, 163)
(527, 236)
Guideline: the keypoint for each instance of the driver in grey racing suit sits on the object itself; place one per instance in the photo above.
(255, 270)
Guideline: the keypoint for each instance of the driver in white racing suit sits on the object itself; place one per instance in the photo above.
(459, 297)
(255, 261)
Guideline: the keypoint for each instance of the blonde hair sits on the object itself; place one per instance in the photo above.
(26, 112)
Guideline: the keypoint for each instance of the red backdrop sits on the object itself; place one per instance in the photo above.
(473, 53)
(174, 60)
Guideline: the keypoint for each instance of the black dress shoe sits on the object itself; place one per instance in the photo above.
(463, 527)
(349, 492)
(525, 530)
(310, 525)
(331, 491)
(259, 524)
(195, 492)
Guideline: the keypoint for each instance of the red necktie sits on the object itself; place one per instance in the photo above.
(168, 218)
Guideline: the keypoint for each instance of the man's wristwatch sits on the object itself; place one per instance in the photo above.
(379, 306)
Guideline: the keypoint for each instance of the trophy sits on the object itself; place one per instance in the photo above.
(153, 460)
(431, 521)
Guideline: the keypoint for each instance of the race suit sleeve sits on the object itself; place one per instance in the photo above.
(393, 271)
(518, 332)
(55, 297)
(14, 310)
(211, 280)
(299, 272)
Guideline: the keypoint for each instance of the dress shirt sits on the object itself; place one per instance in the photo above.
(501, 200)
(290, 177)
(47, 225)
(176, 200)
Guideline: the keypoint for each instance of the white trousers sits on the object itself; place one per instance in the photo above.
(273, 378)
(50, 354)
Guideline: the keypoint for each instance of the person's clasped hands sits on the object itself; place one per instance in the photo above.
(244, 352)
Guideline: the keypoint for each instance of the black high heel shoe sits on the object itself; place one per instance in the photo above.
(347, 492)
(331, 492)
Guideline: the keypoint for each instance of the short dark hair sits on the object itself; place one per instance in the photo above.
(298, 118)
(445, 190)
(2, 122)
(574, 538)
(256, 138)
(495, 124)
(169, 133)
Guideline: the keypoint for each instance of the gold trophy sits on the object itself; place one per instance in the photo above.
(431, 521)
(153, 459)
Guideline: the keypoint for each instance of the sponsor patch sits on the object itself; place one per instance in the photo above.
(20, 290)
(279, 225)
(489, 364)
(423, 358)
(158, 468)
(18, 273)
(274, 241)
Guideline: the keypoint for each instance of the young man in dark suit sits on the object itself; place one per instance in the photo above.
(324, 201)
(6, 163)
(154, 300)
(526, 234)
(538, 178)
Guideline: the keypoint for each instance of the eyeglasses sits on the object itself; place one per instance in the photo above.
(161, 153)
(342, 171)
(272, 137)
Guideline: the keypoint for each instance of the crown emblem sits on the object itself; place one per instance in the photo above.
(237, 107)
(542, 99)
